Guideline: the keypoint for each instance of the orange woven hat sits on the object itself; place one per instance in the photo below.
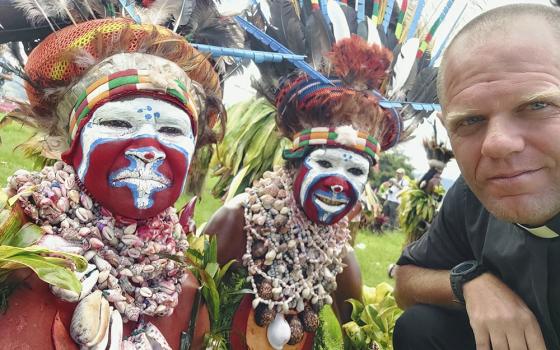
(80, 67)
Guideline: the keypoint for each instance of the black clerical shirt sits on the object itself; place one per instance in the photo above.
(528, 264)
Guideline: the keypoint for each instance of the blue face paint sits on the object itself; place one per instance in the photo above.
(154, 181)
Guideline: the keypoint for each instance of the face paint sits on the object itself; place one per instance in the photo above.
(329, 183)
(134, 155)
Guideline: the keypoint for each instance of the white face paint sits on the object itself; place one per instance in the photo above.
(335, 163)
(141, 118)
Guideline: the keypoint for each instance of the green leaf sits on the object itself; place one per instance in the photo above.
(28, 235)
(236, 182)
(46, 270)
(357, 309)
(212, 297)
(212, 268)
(223, 270)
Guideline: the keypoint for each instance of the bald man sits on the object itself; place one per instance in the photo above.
(485, 276)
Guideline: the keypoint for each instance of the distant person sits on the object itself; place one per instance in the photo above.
(390, 208)
(485, 274)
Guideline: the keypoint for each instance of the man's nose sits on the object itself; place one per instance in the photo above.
(503, 137)
(147, 154)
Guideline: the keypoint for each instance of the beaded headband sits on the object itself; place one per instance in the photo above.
(123, 83)
(343, 136)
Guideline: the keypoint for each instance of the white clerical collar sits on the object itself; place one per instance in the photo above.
(550, 229)
(540, 231)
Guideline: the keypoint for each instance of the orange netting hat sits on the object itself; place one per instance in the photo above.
(77, 69)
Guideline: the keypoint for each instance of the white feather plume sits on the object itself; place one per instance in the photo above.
(338, 20)
(405, 62)
(372, 33)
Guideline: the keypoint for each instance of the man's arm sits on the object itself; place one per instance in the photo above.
(418, 285)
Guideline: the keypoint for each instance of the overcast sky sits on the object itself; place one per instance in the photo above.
(238, 88)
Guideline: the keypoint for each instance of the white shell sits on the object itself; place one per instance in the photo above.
(278, 332)
(90, 320)
(116, 330)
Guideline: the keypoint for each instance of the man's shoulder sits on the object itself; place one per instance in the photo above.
(460, 204)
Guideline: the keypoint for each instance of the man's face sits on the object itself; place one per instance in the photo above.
(503, 117)
(134, 155)
(329, 183)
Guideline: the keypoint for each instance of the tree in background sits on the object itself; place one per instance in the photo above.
(388, 164)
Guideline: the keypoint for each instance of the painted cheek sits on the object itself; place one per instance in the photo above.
(109, 157)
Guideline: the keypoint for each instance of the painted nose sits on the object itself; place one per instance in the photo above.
(146, 155)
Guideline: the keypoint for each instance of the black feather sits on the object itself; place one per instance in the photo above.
(287, 27)
(318, 40)
(207, 26)
(187, 8)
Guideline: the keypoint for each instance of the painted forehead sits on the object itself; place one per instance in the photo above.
(143, 108)
(340, 154)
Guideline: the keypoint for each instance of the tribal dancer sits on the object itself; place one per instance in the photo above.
(124, 104)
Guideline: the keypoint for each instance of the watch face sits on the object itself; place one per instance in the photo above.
(465, 267)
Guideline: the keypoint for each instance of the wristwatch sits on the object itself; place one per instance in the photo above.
(461, 274)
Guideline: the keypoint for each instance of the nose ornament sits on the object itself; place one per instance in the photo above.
(337, 188)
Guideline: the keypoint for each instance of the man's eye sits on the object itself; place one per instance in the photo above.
(471, 121)
(324, 163)
(116, 123)
(356, 171)
(535, 106)
(170, 130)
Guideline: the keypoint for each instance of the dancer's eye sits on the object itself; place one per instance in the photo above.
(116, 123)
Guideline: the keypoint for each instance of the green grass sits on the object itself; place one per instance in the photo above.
(377, 252)
(12, 159)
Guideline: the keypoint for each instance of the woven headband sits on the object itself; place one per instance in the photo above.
(305, 89)
(125, 82)
(342, 136)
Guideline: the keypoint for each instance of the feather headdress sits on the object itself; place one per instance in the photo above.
(327, 32)
(66, 64)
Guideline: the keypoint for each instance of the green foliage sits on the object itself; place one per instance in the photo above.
(373, 319)
(388, 164)
(417, 207)
(221, 290)
(251, 146)
(328, 335)
(12, 159)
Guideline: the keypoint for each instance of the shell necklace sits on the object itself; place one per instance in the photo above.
(123, 255)
(292, 262)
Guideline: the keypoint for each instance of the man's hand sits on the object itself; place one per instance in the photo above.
(499, 318)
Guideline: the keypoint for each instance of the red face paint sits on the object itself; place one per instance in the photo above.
(110, 158)
(328, 198)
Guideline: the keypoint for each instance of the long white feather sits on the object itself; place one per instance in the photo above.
(404, 64)
(338, 20)
(372, 33)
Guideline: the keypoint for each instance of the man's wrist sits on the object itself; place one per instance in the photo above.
(461, 275)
